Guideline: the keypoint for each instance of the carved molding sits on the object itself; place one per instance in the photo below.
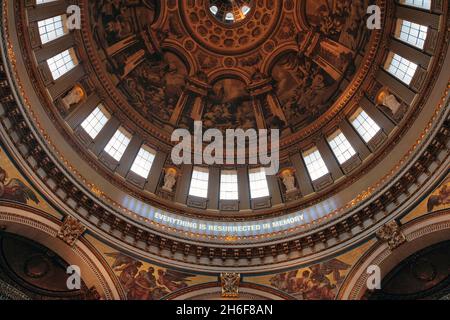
(105, 281)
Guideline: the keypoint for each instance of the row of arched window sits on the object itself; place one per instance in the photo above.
(408, 32)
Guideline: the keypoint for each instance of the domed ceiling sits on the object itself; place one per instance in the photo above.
(282, 65)
(306, 67)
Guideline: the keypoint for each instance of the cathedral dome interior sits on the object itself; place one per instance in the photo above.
(352, 95)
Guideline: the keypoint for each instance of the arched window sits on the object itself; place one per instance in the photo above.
(199, 183)
(95, 122)
(229, 188)
(118, 144)
(315, 164)
(143, 162)
(258, 183)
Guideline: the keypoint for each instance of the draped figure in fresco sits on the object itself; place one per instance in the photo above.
(309, 82)
(229, 106)
(303, 88)
(440, 199)
(146, 284)
(114, 21)
(318, 282)
(15, 190)
(339, 20)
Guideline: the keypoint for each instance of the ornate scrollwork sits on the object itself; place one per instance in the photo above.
(71, 230)
(230, 284)
(392, 234)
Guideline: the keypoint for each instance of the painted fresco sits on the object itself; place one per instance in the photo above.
(436, 201)
(14, 188)
(154, 87)
(144, 281)
(229, 106)
(317, 282)
(152, 79)
(308, 83)
(303, 88)
(440, 199)
(114, 20)
(340, 20)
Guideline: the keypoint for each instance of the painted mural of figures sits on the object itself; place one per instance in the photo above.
(173, 280)
(331, 268)
(155, 86)
(119, 260)
(308, 84)
(303, 88)
(128, 273)
(328, 25)
(353, 31)
(318, 282)
(279, 281)
(338, 20)
(230, 106)
(314, 99)
(151, 83)
(114, 18)
(145, 288)
(15, 190)
(146, 283)
(442, 198)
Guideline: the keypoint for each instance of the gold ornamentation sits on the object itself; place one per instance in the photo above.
(391, 234)
(230, 284)
(71, 230)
